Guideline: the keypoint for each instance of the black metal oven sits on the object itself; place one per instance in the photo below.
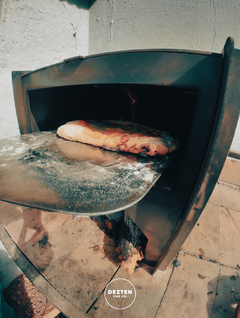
(192, 95)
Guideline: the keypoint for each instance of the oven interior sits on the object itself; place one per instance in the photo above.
(167, 109)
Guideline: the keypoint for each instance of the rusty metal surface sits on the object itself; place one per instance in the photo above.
(174, 68)
(44, 171)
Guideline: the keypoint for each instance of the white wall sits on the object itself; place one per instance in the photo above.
(179, 24)
(202, 25)
(33, 34)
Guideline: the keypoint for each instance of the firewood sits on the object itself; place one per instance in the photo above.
(129, 240)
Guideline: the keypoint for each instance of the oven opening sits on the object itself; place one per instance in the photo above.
(169, 110)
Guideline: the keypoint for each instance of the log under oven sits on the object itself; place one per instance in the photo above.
(191, 95)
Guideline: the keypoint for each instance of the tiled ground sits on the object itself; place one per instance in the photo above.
(207, 283)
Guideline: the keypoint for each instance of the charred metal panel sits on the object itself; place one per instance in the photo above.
(224, 127)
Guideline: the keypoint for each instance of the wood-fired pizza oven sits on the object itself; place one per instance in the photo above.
(191, 95)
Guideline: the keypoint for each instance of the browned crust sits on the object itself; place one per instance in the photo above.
(119, 136)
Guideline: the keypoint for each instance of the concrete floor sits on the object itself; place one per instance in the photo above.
(207, 283)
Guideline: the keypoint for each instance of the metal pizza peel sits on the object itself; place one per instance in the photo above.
(41, 170)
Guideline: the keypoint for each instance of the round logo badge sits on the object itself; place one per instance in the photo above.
(120, 293)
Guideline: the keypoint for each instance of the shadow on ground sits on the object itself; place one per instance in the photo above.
(226, 298)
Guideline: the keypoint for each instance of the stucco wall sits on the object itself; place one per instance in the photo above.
(34, 34)
(202, 25)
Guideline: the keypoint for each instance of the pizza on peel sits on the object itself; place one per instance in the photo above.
(119, 136)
